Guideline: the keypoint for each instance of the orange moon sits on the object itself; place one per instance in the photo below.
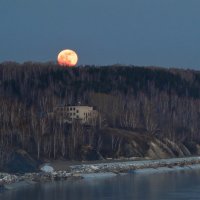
(67, 58)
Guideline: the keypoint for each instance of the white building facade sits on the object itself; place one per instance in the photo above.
(85, 114)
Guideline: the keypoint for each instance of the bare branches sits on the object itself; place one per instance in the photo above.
(165, 103)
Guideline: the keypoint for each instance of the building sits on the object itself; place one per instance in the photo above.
(85, 114)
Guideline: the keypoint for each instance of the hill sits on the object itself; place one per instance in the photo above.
(160, 105)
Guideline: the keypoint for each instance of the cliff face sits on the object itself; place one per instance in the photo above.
(122, 143)
(146, 112)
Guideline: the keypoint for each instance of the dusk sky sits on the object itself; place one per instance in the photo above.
(138, 32)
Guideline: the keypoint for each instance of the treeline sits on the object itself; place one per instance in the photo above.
(155, 101)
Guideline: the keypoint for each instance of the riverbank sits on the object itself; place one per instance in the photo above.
(127, 166)
(79, 171)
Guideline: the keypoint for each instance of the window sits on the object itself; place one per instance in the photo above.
(70, 108)
(73, 108)
(70, 114)
(77, 111)
(73, 113)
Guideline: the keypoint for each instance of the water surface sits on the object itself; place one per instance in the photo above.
(167, 186)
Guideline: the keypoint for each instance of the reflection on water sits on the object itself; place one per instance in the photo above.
(168, 186)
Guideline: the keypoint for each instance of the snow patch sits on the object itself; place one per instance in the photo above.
(47, 168)
(98, 175)
(94, 167)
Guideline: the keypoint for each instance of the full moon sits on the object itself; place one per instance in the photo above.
(67, 58)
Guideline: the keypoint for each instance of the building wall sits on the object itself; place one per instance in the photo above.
(68, 113)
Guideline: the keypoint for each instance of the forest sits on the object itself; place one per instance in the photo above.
(137, 104)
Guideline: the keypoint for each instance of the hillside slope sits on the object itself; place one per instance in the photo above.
(147, 112)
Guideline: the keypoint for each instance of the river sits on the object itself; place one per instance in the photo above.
(143, 186)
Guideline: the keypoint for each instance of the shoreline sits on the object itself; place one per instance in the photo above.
(99, 170)
(126, 166)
